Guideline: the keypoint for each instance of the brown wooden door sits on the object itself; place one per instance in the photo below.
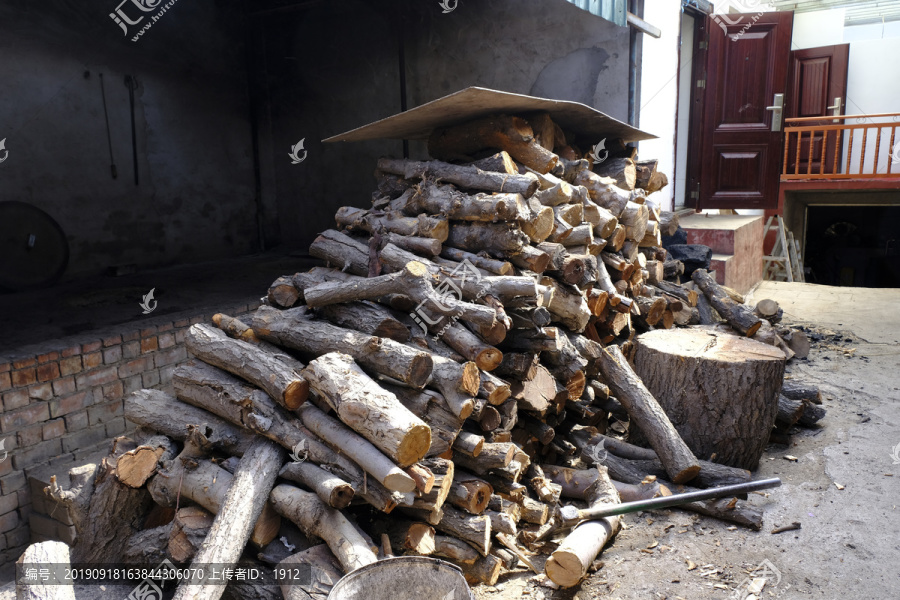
(741, 155)
(817, 88)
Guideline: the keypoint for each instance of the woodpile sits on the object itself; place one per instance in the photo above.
(444, 383)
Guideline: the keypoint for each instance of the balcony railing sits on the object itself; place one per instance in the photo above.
(842, 147)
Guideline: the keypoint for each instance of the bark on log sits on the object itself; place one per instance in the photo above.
(485, 570)
(432, 408)
(530, 258)
(249, 362)
(468, 177)
(738, 316)
(371, 411)
(798, 390)
(722, 415)
(416, 245)
(242, 506)
(500, 240)
(445, 200)
(474, 529)
(294, 329)
(315, 518)
(501, 162)
(189, 528)
(331, 489)
(470, 493)
(325, 571)
(621, 170)
(482, 262)
(136, 466)
(675, 455)
(604, 192)
(366, 317)
(502, 132)
(44, 555)
(422, 226)
(433, 501)
(344, 252)
(454, 549)
(469, 444)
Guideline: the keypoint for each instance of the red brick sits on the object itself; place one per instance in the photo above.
(43, 391)
(73, 351)
(12, 482)
(148, 331)
(54, 429)
(131, 349)
(37, 454)
(9, 503)
(113, 391)
(112, 355)
(30, 436)
(48, 372)
(197, 319)
(112, 340)
(5, 367)
(92, 360)
(45, 358)
(94, 378)
(64, 386)
(14, 400)
(24, 377)
(170, 356)
(18, 537)
(69, 404)
(82, 439)
(179, 336)
(165, 327)
(23, 417)
(77, 421)
(133, 367)
(24, 362)
(149, 344)
(101, 413)
(91, 346)
(150, 379)
(70, 366)
(9, 521)
(5, 382)
(182, 323)
(131, 336)
(166, 340)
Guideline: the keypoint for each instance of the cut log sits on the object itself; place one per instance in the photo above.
(530, 258)
(316, 518)
(444, 472)
(501, 162)
(293, 328)
(371, 411)
(485, 570)
(621, 170)
(488, 264)
(789, 411)
(569, 563)
(366, 317)
(136, 466)
(445, 200)
(738, 316)
(502, 132)
(798, 390)
(283, 293)
(406, 535)
(422, 226)
(537, 394)
(474, 529)
(456, 550)
(189, 528)
(44, 555)
(344, 252)
(416, 245)
(325, 571)
(812, 414)
(432, 408)
(493, 389)
(249, 362)
(497, 239)
(468, 177)
(568, 305)
(241, 507)
(331, 489)
(469, 493)
(361, 451)
(604, 192)
(469, 444)
(722, 416)
(646, 412)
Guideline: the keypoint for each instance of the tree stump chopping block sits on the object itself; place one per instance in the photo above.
(719, 390)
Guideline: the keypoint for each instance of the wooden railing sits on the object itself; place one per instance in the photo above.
(839, 148)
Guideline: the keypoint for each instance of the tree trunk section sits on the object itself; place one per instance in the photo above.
(720, 391)
(331, 489)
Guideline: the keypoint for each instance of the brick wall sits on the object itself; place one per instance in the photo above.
(63, 401)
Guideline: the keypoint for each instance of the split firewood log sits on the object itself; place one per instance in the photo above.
(644, 409)
(242, 506)
(730, 419)
(502, 132)
(295, 329)
(316, 518)
(368, 409)
(249, 362)
(569, 563)
(212, 389)
(501, 162)
(468, 177)
(738, 316)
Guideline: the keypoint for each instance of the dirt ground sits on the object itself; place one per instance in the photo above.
(849, 538)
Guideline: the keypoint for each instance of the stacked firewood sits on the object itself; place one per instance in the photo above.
(463, 353)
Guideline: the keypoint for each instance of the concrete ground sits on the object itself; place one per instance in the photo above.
(849, 541)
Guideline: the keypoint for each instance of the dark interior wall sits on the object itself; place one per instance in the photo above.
(195, 200)
(334, 66)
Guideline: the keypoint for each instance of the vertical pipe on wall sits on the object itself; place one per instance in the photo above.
(635, 7)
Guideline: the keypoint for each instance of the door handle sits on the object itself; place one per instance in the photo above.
(777, 109)
(836, 107)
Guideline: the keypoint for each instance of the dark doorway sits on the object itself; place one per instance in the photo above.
(854, 245)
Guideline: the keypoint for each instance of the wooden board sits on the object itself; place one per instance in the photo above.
(474, 102)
